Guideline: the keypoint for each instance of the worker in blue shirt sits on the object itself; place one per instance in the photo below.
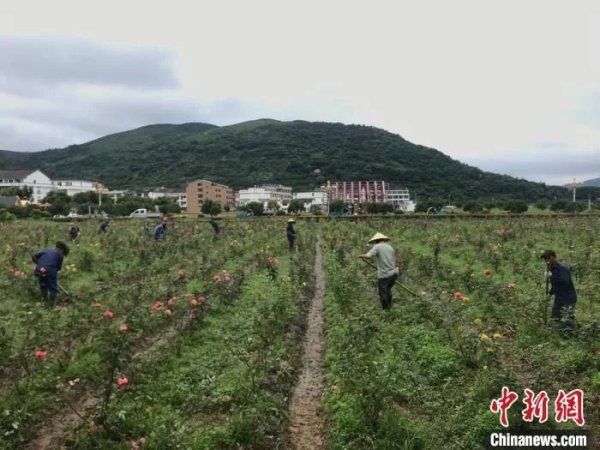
(562, 288)
(159, 231)
(47, 265)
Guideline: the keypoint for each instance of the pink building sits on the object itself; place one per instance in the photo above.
(358, 193)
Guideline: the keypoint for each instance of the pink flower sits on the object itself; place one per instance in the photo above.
(123, 381)
(202, 299)
(217, 278)
(226, 277)
(168, 312)
(171, 301)
(108, 314)
(42, 270)
(458, 295)
(158, 306)
(181, 274)
(488, 272)
(193, 315)
(134, 445)
(193, 302)
(511, 286)
(40, 354)
(123, 328)
(142, 440)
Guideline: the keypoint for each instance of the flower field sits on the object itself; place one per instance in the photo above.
(196, 342)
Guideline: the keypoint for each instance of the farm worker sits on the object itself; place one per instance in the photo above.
(387, 272)
(291, 233)
(159, 231)
(103, 227)
(47, 265)
(74, 233)
(562, 288)
(215, 226)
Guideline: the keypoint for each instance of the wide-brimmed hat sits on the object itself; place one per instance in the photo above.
(291, 221)
(547, 254)
(379, 237)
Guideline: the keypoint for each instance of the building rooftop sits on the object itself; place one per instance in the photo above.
(14, 174)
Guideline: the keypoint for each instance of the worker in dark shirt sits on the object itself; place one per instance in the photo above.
(215, 226)
(562, 288)
(47, 265)
(103, 227)
(74, 233)
(291, 233)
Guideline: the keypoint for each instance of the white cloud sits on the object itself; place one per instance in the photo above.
(497, 83)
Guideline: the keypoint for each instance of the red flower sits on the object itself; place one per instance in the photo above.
(123, 381)
(488, 272)
(123, 328)
(458, 295)
(158, 306)
(108, 314)
(217, 278)
(40, 354)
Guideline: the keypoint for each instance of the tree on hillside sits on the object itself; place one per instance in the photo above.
(24, 192)
(472, 207)
(211, 208)
(272, 205)
(517, 206)
(296, 206)
(337, 206)
(255, 208)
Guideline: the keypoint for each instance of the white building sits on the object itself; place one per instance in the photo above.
(264, 194)
(312, 200)
(400, 199)
(41, 185)
(179, 197)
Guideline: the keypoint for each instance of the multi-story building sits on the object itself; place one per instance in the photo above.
(312, 200)
(265, 194)
(400, 199)
(41, 185)
(198, 191)
(358, 193)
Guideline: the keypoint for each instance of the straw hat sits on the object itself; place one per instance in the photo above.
(291, 221)
(379, 237)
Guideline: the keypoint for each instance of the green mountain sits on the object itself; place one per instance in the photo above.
(301, 154)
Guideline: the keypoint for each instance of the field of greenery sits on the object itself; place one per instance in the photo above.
(195, 342)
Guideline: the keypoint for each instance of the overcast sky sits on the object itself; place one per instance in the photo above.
(509, 86)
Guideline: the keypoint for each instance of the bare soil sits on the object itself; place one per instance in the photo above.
(307, 429)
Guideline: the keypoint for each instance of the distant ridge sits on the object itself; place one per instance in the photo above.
(267, 150)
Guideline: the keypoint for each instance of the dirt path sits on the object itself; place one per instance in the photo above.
(307, 429)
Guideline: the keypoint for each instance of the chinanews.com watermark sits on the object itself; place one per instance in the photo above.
(539, 439)
(567, 407)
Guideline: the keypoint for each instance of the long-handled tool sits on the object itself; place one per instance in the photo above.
(547, 296)
(406, 288)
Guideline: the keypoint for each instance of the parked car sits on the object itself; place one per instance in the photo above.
(143, 213)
